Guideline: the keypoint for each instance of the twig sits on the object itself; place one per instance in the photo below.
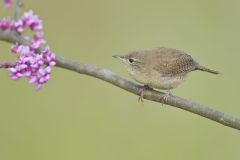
(19, 5)
(7, 65)
(116, 80)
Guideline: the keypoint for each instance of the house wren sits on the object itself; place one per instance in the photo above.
(161, 68)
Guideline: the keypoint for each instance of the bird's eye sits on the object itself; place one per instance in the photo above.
(131, 60)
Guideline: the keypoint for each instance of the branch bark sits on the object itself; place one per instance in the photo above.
(17, 14)
(153, 95)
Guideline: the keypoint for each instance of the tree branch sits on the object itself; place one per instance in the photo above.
(153, 95)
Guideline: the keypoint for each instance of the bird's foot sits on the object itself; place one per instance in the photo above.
(142, 92)
(165, 97)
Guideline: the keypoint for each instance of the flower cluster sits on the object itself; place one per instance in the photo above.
(36, 67)
(33, 63)
(28, 20)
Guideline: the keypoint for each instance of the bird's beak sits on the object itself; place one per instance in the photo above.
(117, 56)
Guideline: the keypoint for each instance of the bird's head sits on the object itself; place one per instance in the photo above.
(133, 60)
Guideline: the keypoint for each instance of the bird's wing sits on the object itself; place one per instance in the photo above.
(173, 62)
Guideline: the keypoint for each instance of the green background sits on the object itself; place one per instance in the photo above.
(79, 117)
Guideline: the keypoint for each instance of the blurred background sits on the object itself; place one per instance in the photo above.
(79, 117)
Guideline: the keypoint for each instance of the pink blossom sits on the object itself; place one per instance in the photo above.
(38, 37)
(6, 24)
(15, 48)
(8, 3)
(35, 45)
(37, 41)
(49, 56)
(32, 21)
(18, 26)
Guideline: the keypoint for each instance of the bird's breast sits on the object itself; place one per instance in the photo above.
(166, 82)
(157, 80)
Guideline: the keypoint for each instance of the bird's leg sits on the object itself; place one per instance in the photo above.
(165, 97)
(142, 92)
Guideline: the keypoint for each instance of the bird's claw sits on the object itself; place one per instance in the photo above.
(142, 92)
(165, 97)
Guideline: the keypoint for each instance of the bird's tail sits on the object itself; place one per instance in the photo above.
(207, 70)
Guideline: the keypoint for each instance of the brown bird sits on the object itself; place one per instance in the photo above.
(161, 68)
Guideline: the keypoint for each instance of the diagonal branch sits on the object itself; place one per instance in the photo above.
(110, 77)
